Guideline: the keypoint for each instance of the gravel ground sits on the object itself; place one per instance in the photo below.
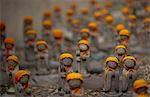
(144, 68)
(46, 86)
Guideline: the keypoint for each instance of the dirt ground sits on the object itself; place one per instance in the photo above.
(46, 86)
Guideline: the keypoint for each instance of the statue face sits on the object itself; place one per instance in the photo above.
(11, 64)
(124, 37)
(84, 35)
(74, 84)
(83, 47)
(147, 25)
(142, 90)
(93, 29)
(8, 45)
(28, 22)
(121, 51)
(24, 79)
(112, 65)
(98, 18)
(67, 61)
(32, 36)
(129, 63)
(76, 25)
(41, 47)
(47, 27)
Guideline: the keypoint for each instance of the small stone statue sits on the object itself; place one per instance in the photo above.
(42, 58)
(75, 82)
(12, 67)
(23, 88)
(111, 77)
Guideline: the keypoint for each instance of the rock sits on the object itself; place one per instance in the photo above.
(95, 68)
